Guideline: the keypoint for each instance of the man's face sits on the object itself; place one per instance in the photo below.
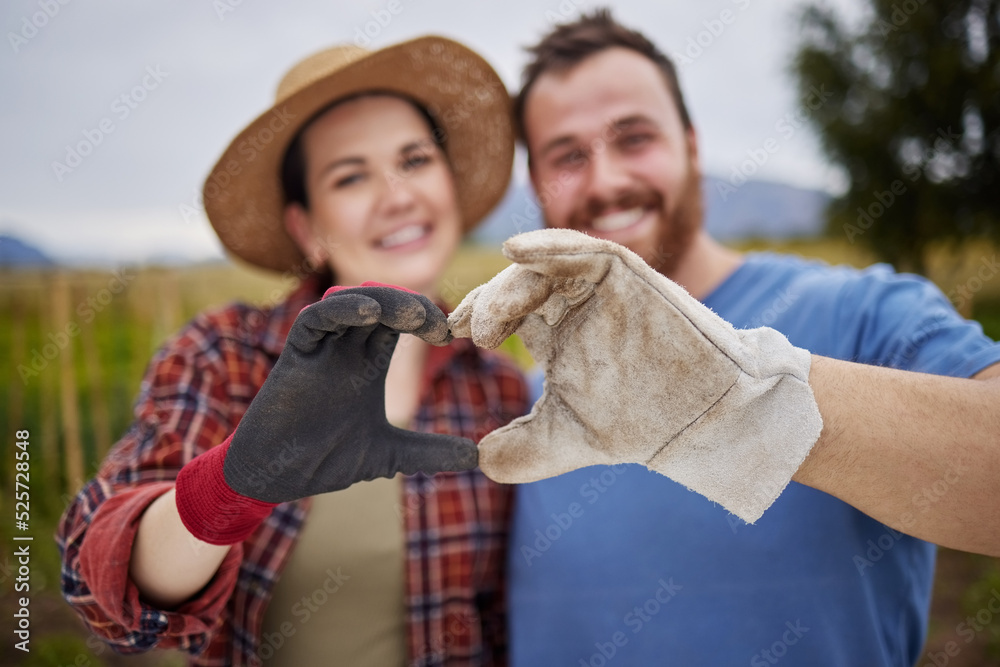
(610, 156)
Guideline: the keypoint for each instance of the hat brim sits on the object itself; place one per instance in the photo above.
(243, 196)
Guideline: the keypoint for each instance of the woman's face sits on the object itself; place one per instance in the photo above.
(382, 200)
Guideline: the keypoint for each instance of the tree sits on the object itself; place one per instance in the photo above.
(912, 114)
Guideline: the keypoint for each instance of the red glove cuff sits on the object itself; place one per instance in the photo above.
(367, 283)
(209, 508)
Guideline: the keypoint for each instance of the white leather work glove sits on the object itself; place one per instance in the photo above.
(638, 371)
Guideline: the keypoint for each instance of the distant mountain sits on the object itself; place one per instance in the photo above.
(761, 209)
(15, 253)
(755, 209)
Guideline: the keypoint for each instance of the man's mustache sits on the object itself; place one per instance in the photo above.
(594, 208)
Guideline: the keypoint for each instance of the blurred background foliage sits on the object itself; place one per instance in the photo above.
(910, 109)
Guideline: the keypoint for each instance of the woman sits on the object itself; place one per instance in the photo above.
(222, 540)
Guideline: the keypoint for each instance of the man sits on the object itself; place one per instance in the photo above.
(619, 564)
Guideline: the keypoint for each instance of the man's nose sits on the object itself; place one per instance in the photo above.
(608, 179)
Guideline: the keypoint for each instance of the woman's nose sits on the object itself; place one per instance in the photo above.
(397, 191)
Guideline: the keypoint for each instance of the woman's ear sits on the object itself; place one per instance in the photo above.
(692, 145)
(298, 226)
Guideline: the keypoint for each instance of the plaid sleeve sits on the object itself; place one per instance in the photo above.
(183, 409)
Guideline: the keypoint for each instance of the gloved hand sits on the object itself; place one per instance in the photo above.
(318, 423)
(638, 371)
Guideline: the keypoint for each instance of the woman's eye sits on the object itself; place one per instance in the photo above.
(414, 161)
(348, 180)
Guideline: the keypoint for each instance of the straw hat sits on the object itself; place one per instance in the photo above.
(243, 194)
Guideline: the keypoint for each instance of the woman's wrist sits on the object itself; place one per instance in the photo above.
(209, 508)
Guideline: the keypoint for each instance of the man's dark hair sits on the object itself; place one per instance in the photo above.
(570, 43)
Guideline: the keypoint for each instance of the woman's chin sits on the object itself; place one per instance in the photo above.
(420, 270)
(417, 280)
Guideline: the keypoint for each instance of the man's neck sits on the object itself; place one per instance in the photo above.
(705, 265)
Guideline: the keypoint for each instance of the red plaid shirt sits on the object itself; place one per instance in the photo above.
(195, 391)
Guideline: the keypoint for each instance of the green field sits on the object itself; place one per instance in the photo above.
(76, 344)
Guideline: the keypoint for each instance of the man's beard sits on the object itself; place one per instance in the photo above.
(676, 228)
(679, 229)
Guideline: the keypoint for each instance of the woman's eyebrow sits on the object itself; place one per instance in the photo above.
(342, 162)
(416, 144)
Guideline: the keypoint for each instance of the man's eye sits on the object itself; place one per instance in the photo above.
(571, 160)
(636, 139)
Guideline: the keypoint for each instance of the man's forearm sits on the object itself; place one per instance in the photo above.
(920, 453)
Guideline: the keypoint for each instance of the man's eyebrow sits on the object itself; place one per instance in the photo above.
(628, 122)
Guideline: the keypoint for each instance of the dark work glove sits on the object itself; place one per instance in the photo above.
(318, 423)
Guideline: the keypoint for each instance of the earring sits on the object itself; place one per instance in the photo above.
(318, 258)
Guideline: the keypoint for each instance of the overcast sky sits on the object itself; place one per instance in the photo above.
(216, 65)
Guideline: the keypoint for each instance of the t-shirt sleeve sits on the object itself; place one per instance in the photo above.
(904, 321)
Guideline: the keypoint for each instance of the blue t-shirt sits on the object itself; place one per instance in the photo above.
(622, 566)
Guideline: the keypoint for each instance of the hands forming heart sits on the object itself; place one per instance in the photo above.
(638, 371)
